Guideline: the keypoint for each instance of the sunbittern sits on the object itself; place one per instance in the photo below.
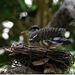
(46, 37)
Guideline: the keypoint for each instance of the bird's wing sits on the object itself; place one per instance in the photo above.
(51, 41)
(58, 40)
(33, 36)
(45, 33)
(61, 39)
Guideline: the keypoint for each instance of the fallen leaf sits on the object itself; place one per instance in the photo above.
(40, 62)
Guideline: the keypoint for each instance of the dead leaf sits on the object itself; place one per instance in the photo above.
(40, 62)
(50, 68)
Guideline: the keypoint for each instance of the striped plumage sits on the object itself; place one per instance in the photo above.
(45, 33)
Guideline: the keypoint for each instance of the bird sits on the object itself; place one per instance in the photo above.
(46, 37)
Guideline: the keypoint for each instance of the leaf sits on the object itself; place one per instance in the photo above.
(40, 62)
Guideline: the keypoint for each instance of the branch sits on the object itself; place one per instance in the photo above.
(64, 15)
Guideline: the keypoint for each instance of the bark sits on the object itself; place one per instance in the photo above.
(64, 15)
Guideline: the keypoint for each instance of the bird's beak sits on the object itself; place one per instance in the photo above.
(24, 31)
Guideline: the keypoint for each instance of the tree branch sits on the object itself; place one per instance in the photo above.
(64, 15)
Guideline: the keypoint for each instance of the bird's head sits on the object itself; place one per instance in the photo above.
(32, 29)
